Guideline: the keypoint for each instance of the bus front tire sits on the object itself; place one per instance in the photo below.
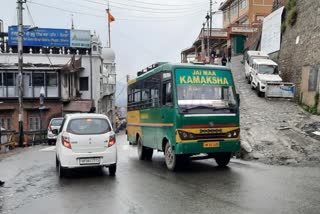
(222, 158)
(172, 160)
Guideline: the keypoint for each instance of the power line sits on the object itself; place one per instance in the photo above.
(174, 5)
(131, 16)
(99, 16)
(153, 10)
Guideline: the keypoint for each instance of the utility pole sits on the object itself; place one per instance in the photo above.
(208, 36)
(210, 18)
(20, 66)
(203, 52)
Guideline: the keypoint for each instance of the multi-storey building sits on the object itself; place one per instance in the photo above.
(74, 78)
(242, 18)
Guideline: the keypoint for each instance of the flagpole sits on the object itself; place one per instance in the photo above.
(109, 27)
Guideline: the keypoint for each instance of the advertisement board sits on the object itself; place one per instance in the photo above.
(271, 32)
(80, 38)
(50, 37)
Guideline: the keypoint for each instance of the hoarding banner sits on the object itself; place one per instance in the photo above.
(50, 37)
(271, 32)
(80, 38)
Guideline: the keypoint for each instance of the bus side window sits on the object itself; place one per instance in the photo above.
(166, 93)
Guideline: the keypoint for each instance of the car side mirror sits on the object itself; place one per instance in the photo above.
(280, 72)
(55, 131)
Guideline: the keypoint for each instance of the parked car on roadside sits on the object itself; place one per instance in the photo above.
(86, 140)
(263, 71)
(249, 56)
(54, 123)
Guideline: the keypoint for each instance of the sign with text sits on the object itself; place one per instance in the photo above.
(50, 37)
(204, 77)
(244, 29)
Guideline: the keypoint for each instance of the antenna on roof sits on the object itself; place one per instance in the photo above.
(72, 24)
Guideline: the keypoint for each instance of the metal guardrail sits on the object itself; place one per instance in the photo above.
(9, 138)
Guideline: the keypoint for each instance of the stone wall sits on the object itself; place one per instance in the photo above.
(300, 45)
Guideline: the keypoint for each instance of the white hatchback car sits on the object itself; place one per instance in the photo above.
(86, 140)
(55, 123)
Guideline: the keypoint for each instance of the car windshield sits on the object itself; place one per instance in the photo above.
(268, 69)
(85, 126)
(210, 97)
(56, 122)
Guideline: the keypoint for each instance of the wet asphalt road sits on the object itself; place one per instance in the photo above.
(32, 186)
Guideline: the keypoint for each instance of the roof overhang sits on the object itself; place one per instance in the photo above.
(79, 106)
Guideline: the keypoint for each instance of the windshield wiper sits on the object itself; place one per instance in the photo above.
(196, 107)
(231, 107)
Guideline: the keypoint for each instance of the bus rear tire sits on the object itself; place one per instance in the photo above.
(144, 153)
(222, 158)
(148, 154)
(172, 160)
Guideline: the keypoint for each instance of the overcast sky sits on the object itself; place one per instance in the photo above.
(144, 32)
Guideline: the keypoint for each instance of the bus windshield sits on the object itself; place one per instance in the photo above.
(210, 97)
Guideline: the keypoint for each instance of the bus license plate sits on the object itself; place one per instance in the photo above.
(211, 144)
(88, 161)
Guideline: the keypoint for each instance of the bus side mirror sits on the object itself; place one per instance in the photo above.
(238, 98)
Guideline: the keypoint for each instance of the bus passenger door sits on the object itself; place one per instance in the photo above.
(166, 111)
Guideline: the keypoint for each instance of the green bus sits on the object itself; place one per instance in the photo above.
(188, 111)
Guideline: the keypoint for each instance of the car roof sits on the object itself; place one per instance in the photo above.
(86, 115)
(57, 118)
(257, 53)
(264, 62)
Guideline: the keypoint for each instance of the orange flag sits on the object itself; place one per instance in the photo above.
(110, 17)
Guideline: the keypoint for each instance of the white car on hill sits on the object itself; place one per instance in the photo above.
(263, 71)
(85, 140)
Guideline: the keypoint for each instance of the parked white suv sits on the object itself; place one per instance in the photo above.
(55, 123)
(86, 140)
(263, 71)
(249, 56)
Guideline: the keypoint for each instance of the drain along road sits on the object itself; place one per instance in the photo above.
(32, 186)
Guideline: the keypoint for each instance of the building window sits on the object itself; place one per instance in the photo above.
(234, 9)
(84, 83)
(243, 4)
(34, 123)
(8, 79)
(260, 18)
(5, 122)
(38, 79)
(52, 79)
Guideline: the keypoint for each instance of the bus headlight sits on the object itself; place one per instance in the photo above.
(186, 135)
(233, 134)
